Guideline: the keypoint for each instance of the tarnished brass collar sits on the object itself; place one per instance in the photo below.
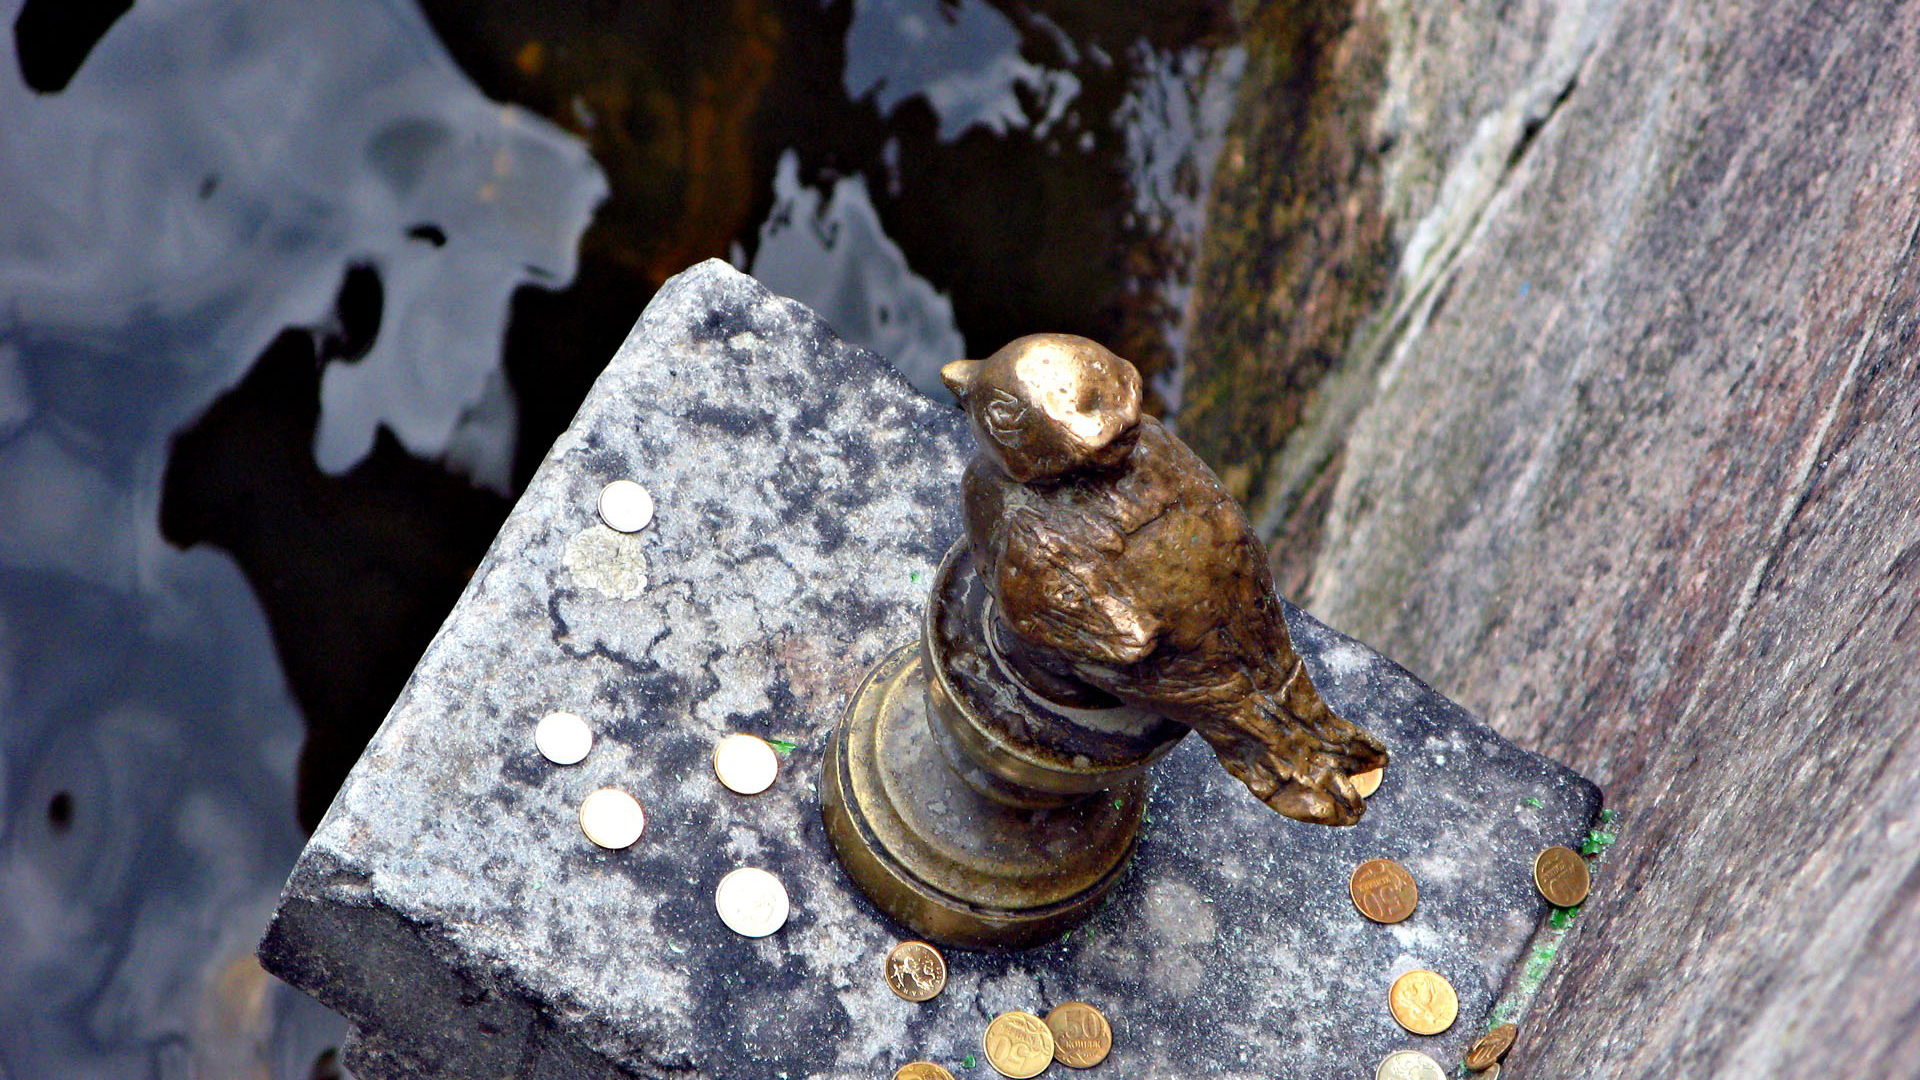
(1006, 739)
(967, 806)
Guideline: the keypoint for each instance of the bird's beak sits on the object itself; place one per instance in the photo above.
(959, 375)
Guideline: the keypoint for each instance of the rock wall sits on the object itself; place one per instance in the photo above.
(1611, 434)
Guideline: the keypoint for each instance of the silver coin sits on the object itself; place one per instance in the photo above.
(1409, 1065)
(563, 738)
(625, 506)
(1491, 1072)
(751, 902)
(746, 764)
(612, 818)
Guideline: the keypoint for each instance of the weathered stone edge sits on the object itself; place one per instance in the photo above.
(499, 1026)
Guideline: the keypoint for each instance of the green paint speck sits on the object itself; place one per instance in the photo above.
(968, 1062)
(913, 576)
(1533, 801)
(782, 746)
(1562, 917)
(1596, 842)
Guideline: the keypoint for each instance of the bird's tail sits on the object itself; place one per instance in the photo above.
(1298, 757)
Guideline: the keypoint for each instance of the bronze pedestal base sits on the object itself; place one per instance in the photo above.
(969, 808)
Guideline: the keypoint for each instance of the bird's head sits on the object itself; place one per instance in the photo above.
(1048, 404)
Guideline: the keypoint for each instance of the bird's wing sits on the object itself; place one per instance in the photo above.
(1055, 596)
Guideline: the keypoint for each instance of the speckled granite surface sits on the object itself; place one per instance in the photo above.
(451, 908)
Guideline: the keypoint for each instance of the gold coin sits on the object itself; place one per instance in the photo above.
(746, 764)
(1423, 1002)
(612, 818)
(916, 970)
(921, 1070)
(1491, 1047)
(1561, 876)
(1081, 1037)
(1383, 890)
(1409, 1065)
(1368, 782)
(1018, 1045)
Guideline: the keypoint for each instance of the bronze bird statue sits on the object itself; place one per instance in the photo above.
(1120, 566)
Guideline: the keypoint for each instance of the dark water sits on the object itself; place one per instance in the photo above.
(292, 297)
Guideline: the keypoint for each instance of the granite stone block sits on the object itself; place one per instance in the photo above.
(451, 908)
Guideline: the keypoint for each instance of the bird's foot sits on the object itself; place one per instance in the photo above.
(1318, 795)
(1308, 773)
(1332, 801)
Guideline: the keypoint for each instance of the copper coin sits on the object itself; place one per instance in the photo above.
(1018, 1045)
(1383, 890)
(1423, 1002)
(1561, 876)
(1408, 1065)
(921, 1070)
(1491, 1047)
(916, 970)
(1368, 782)
(1081, 1036)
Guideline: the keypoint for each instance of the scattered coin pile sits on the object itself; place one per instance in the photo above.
(1081, 1037)
(916, 971)
(749, 900)
(625, 506)
(1487, 1051)
(1017, 1044)
(1383, 890)
(563, 738)
(1424, 1002)
(612, 818)
(1409, 1065)
(1368, 782)
(745, 764)
(753, 903)
(1561, 876)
